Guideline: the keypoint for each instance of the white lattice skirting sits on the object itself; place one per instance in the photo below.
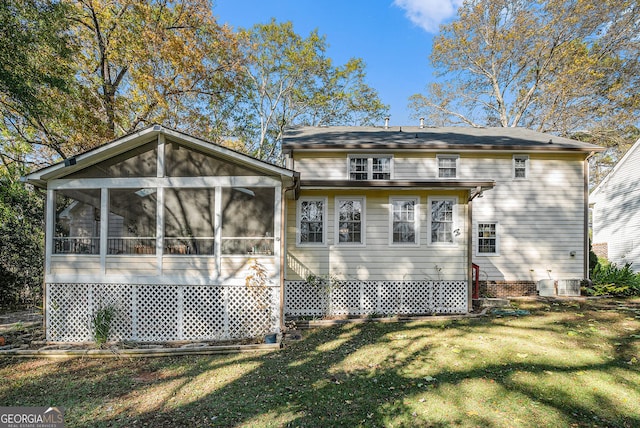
(157, 313)
(375, 297)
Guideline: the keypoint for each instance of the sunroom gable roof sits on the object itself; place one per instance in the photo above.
(144, 136)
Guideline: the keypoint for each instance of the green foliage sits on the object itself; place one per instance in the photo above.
(101, 321)
(22, 243)
(609, 279)
(34, 51)
(288, 81)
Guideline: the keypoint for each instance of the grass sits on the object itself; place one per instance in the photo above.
(567, 364)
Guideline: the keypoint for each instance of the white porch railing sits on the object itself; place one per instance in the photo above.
(375, 297)
(157, 313)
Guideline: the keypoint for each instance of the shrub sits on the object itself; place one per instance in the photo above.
(101, 320)
(609, 278)
(22, 243)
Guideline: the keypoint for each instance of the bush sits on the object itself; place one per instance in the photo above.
(22, 243)
(610, 279)
(101, 320)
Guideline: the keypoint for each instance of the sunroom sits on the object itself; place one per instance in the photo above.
(164, 229)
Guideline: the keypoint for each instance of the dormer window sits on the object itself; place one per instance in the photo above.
(369, 167)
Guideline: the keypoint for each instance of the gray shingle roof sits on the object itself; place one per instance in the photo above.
(414, 137)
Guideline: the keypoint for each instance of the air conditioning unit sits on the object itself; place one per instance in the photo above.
(546, 287)
(569, 287)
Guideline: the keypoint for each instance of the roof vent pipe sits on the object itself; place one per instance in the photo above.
(386, 122)
(421, 122)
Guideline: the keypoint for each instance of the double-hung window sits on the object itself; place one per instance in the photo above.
(369, 167)
(442, 220)
(447, 166)
(487, 242)
(404, 221)
(311, 221)
(350, 221)
(520, 166)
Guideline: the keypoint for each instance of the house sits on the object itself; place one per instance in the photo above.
(167, 228)
(615, 204)
(399, 215)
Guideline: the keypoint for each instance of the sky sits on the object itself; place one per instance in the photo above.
(393, 37)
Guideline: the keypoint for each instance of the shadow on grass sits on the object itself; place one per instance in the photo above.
(460, 373)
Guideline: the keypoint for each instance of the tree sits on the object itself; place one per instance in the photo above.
(34, 52)
(135, 63)
(289, 81)
(35, 63)
(22, 243)
(569, 67)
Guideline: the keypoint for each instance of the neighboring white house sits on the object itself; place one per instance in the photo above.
(615, 204)
(361, 221)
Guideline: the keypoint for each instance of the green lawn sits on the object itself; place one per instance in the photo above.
(567, 364)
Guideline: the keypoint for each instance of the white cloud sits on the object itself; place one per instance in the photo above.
(429, 14)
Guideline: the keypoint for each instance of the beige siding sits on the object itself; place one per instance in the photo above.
(237, 268)
(541, 219)
(411, 166)
(321, 166)
(188, 266)
(377, 259)
(75, 264)
(132, 265)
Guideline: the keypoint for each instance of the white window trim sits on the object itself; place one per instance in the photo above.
(363, 201)
(476, 238)
(526, 167)
(455, 157)
(455, 226)
(324, 221)
(416, 221)
(370, 158)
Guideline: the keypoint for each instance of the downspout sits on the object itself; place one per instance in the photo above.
(283, 234)
(469, 221)
(477, 192)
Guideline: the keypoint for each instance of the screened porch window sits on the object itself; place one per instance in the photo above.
(132, 221)
(77, 222)
(248, 221)
(189, 221)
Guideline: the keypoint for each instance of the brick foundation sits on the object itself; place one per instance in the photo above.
(601, 250)
(507, 288)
